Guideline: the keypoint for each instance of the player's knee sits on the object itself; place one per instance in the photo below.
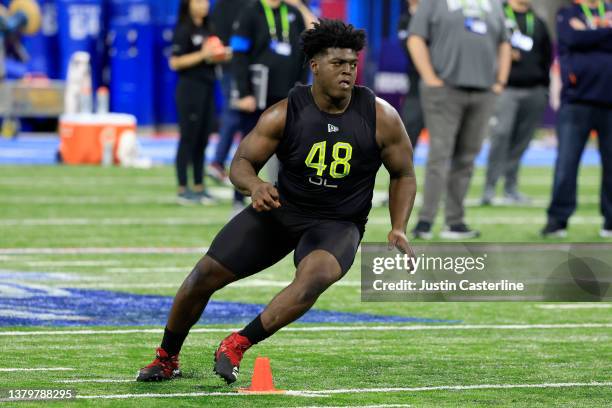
(315, 277)
(209, 275)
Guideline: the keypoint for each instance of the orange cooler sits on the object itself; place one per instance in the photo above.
(83, 136)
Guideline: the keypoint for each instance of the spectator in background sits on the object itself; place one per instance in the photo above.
(223, 17)
(412, 113)
(266, 34)
(520, 107)
(461, 50)
(585, 55)
(195, 51)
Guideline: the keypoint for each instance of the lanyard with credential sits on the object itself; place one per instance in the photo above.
(481, 8)
(601, 7)
(530, 20)
(272, 23)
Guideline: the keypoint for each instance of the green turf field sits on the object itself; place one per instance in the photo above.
(499, 354)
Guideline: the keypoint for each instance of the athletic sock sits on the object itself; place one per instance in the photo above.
(172, 342)
(255, 331)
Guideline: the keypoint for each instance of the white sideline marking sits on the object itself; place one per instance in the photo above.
(97, 380)
(184, 394)
(250, 283)
(329, 328)
(33, 222)
(72, 263)
(362, 406)
(165, 269)
(535, 221)
(37, 369)
(102, 250)
(576, 306)
(459, 387)
(323, 393)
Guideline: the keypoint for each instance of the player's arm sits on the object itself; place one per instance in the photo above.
(396, 154)
(253, 152)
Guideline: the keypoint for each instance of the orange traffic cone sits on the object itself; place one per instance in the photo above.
(262, 382)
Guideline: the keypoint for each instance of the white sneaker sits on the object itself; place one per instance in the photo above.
(459, 232)
(605, 233)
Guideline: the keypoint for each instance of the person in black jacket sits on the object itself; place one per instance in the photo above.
(266, 45)
(412, 113)
(195, 52)
(223, 16)
(520, 107)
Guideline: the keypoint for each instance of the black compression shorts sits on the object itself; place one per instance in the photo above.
(253, 241)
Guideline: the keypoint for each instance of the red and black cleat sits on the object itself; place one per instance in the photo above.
(164, 367)
(228, 356)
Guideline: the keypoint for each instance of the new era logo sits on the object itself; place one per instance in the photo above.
(332, 128)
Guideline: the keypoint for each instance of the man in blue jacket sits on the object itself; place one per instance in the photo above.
(585, 53)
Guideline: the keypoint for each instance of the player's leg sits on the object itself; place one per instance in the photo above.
(323, 255)
(533, 103)
(467, 147)
(443, 109)
(501, 130)
(248, 244)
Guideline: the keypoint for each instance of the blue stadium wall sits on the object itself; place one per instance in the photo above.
(130, 41)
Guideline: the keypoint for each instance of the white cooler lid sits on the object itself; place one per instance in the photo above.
(99, 118)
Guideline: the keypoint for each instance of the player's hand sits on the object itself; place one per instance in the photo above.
(265, 197)
(246, 104)
(397, 239)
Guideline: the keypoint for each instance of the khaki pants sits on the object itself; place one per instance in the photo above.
(457, 121)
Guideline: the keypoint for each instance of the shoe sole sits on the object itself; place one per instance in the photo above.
(459, 235)
(427, 236)
(556, 234)
(220, 369)
(186, 201)
(159, 378)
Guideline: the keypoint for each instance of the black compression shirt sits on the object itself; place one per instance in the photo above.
(329, 161)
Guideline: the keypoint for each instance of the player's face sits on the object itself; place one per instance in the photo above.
(336, 71)
(199, 8)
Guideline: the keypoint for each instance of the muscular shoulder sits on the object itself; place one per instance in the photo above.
(272, 121)
(388, 122)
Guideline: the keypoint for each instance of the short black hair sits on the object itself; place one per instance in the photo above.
(331, 34)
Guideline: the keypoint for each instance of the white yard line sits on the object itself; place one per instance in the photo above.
(165, 269)
(362, 406)
(344, 328)
(509, 220)
(457, 387)
(250, 283)
(72, 263)
(570, 306)
(37, 369)
(102, 250)
(35, 222)
(324, 393)
(97, 380)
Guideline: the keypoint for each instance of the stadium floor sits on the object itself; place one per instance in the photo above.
(91, 257)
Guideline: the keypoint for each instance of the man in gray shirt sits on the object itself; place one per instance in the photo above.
(462, 51)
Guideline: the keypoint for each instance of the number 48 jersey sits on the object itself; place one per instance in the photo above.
(329, 161)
